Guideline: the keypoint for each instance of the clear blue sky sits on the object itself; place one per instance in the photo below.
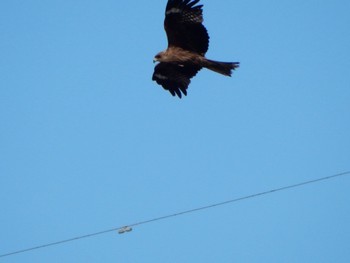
(88, 142)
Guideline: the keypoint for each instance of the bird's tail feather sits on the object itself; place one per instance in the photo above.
(224, 68)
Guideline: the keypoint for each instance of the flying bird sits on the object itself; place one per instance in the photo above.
(188, 41)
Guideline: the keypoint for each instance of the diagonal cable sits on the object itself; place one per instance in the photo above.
(129, 227)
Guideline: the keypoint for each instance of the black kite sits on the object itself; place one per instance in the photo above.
(188, 41)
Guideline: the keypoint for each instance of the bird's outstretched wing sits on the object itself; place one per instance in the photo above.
(174, 77)
(183, 26)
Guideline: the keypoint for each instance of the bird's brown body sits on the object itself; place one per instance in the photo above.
(178, 55)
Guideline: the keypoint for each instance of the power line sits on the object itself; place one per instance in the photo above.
(128, 228)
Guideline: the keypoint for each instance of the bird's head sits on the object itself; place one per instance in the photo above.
(158, 57)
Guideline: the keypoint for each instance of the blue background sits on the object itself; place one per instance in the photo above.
(88, 142)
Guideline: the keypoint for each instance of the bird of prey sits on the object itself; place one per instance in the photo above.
(188, 41)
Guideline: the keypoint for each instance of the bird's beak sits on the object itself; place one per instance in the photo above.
(155, 60)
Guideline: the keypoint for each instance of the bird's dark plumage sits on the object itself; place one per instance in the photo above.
(183, 26)
(174, 78)
(188, 41)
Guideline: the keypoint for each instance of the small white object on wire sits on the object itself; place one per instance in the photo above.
(124, 229)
